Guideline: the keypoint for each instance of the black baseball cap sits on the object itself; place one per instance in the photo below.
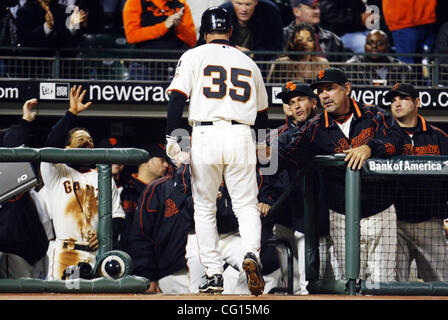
(294, 88)
(295, 3)
(110, 142)
(155, 150)
(401, 89)
(329, 75)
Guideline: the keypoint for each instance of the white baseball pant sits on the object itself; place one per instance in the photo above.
(426, 243)
(377, 245)
(224, 150)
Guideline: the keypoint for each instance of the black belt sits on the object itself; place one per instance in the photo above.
(210, 123)
(74, 246)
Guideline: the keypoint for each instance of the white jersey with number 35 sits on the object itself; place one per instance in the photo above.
(221, 82)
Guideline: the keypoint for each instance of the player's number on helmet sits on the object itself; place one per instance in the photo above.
(219, 78)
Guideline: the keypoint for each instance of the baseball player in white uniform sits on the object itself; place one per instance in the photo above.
(227, 95)
(73, 206)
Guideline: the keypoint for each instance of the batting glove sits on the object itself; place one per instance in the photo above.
(172, 147)
(263, 152)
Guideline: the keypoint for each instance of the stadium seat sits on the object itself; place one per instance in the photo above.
(110, 47)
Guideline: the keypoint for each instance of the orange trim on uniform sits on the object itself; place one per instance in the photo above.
(261, 179)
(156, 182)
(183, 179)
(423, 122)
(326, 119)
(180, 91)
(17, 198)
(134, 175)
(358, 112)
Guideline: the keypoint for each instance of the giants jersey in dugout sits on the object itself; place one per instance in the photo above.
(73, 204)
(222, 88)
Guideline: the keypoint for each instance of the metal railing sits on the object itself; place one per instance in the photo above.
(430, 168)
(429, 70)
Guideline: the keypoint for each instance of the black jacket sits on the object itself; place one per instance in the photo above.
(129, 196)
(322, 136)
(342, 16)
(291, 213)
(30, 27)
(266, 27)
(419, 199)
(21, 231)
(159, 232)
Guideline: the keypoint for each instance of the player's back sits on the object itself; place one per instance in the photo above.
(222, 83)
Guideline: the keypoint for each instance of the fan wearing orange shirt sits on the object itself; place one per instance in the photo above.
(157, 24)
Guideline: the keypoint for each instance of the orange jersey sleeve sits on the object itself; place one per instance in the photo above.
(185, 31)
(132, 24)
(135, 33)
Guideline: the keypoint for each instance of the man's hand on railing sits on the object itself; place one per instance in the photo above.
(356, 156)
(27, 114)
(76, 97)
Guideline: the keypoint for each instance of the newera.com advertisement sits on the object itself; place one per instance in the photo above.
(146, 93)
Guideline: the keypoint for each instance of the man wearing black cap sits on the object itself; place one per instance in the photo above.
(301, 103)
(309, 11)
(420, 228)
(156, 167)
(359, 131)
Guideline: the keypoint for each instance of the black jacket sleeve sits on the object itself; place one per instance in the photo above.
(342, 16)
(56, 137)
(175, 110)
(18, 134)
(388, 139)
(141, 238)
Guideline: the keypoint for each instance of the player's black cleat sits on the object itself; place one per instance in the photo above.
(252, 267)
(213, 284)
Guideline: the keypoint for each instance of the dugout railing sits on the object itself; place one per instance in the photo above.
(423, 171)
(100, 282)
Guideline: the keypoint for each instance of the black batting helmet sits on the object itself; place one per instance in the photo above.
(215, 19)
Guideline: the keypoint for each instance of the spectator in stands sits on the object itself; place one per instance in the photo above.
(8, 29)
(47, 24)
(302, 67)
(420, 229)
(23, 239)
(441, 48)
(198, 8)
(96, 20)
(159, 24)
(309, 11)
(8, 22)
(257, 25)
(388, 69)
(156, 167)
(412, 24)
(348, 19)
(113, 15)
